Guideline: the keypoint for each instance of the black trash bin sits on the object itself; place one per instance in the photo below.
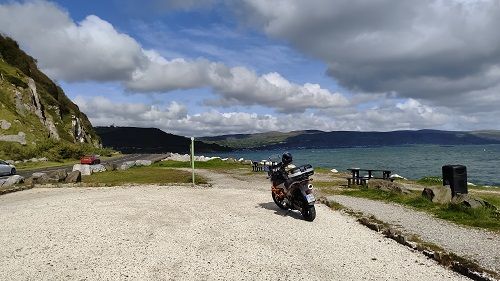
(456, 177)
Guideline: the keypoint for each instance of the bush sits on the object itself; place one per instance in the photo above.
(53, 150)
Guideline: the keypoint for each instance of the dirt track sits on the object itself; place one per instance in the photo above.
(182, 233)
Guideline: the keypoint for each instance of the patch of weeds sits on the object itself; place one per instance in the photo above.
(334, 205)
(430, 181)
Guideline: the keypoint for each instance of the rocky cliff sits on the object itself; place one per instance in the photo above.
(32, 107)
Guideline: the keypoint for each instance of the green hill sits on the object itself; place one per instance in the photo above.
(241, 141)
(35, 114)
(338, 139)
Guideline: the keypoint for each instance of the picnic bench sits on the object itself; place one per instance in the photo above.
(362, 180)
(257, 166)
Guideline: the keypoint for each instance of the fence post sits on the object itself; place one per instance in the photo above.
(192, 158)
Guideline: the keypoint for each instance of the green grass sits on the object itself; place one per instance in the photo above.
(212, 164)
(491, 198)
(430, 181)
(47, 164)
(480, 217)
(143, 175)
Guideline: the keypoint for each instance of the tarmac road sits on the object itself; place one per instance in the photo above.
(118, 161)
(183, 233)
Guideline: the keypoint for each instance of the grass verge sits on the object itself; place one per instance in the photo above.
(143, 175)
(215, 164)
(47, 164)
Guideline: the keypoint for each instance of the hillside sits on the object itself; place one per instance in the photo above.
(337, 139)
(254, 140)
(150, 140)
(33, 109)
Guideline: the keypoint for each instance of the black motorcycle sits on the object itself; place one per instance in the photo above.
(291, 189)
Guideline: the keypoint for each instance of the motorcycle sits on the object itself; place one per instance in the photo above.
(292, 189)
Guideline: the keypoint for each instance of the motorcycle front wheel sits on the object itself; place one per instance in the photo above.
(309, 212)
(278, 202)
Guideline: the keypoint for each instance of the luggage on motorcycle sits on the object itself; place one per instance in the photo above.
(301, 171)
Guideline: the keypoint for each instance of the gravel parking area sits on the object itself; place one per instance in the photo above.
(479, 245)
(182, 233)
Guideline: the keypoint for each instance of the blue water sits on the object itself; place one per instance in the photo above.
(413, 162)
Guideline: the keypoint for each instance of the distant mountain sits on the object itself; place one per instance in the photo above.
(33, 108)
(150, 140)
(338, 139)
(241, 141)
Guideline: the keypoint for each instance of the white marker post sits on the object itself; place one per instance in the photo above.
(192, 157)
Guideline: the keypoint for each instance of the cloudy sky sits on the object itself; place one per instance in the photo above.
(208, 67)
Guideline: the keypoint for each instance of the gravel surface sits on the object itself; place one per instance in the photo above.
(480, 245)
(226, 232)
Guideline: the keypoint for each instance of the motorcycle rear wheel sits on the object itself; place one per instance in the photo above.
(309, 212)
(278, 202)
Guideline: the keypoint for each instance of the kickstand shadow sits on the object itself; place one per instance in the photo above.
(280, 212)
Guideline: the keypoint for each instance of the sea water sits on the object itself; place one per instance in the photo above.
(413, 162)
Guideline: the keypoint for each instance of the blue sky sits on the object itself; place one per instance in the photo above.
(207, 67)
(214, 35)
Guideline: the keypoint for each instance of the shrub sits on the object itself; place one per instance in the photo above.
(53, 150)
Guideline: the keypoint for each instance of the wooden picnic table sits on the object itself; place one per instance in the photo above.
(357, 179)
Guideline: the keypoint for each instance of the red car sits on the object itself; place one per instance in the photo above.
(90, 160)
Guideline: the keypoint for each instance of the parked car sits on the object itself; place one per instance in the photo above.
(90, 160)
(7, 169)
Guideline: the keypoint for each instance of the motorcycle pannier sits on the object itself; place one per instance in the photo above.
(301, 171)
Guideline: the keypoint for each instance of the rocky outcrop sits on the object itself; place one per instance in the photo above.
(45, 119)
(99, 168)
(187, 158)
(39, 105)
(396, 176)
(127, 165)
(37, 178)
(110, 166)
(58, 175)
(468, 201)
(18, 97)
(84, 169)
(5, 125)
(19, 138)
(87, 170)
(438, 194)
(12, 180)
(73, 177)
(78, 132)
(143, 163)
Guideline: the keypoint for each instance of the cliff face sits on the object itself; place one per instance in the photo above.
(32, 107)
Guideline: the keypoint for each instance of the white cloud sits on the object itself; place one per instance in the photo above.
(174, 118)
(89, 50)
(429, 51)
(94, 50)
(423, 49)
(101, 107)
